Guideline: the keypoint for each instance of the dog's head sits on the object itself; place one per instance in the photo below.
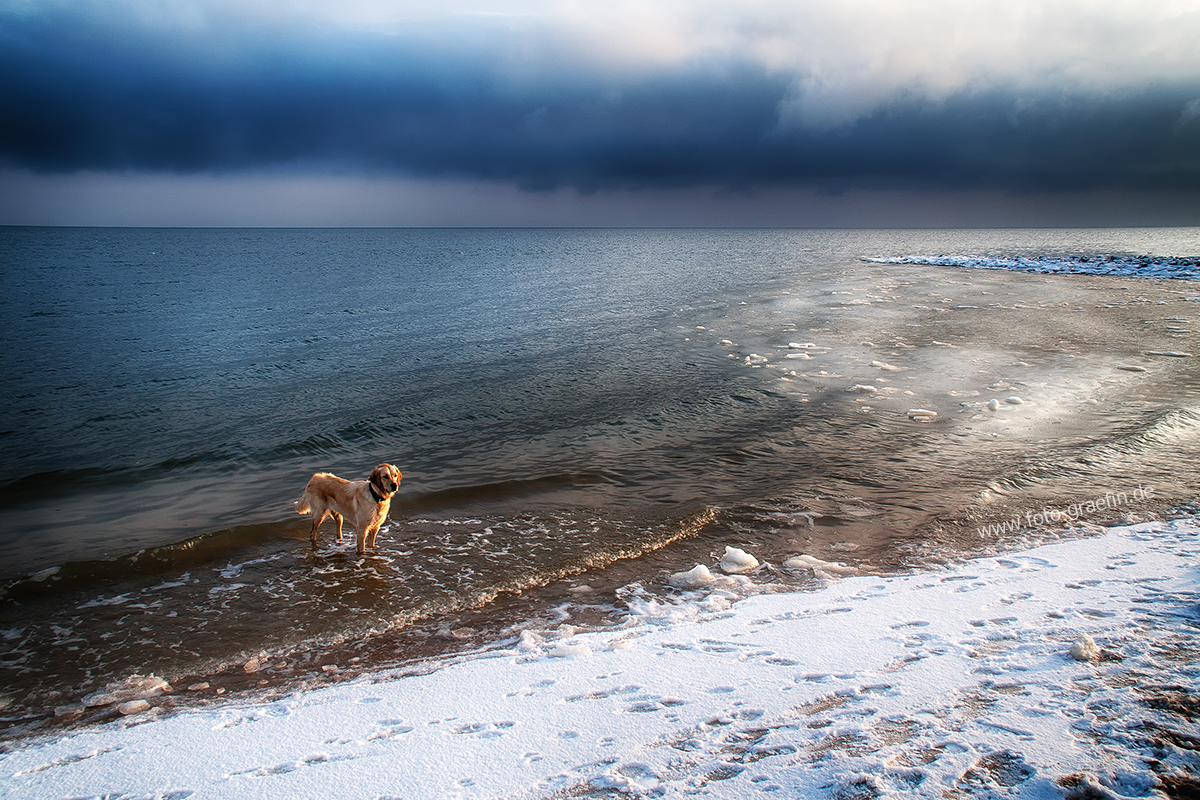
(386, 480)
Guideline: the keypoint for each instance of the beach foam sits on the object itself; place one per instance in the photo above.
(958, 681)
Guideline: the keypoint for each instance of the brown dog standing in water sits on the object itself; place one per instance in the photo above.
(364, 503)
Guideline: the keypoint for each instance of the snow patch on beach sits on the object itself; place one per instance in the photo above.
(1067, 670)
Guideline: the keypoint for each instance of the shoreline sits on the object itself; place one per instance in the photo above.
(967, 685)
(595, 606)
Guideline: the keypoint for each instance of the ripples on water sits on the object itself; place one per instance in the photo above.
(573, 411)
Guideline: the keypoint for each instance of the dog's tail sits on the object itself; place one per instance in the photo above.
(301, 505)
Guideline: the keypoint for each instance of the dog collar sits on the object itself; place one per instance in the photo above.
(378, 497)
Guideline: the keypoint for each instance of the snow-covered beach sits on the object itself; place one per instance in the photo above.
(977, 679)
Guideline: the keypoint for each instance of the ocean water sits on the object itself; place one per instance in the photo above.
(574, 412)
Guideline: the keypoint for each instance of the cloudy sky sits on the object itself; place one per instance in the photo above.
(622, 112)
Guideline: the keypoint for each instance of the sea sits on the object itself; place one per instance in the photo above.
(579, 416)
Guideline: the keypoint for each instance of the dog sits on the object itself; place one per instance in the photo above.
(364, 503)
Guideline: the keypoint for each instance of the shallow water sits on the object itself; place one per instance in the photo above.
(570, 409)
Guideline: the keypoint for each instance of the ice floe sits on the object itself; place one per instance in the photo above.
(1134, 266)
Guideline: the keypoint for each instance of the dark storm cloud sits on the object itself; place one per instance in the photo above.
(79, 93)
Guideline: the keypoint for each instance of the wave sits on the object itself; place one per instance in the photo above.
(1149, 453)
(501, 490)
(207, 604)
(57, 483)
(1172, 267)
(216, 546)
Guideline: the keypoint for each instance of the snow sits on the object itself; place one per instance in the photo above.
(963, 680)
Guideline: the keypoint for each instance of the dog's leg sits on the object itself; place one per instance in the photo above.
(371, 537)
(361, 531)
(317, 520)
(337, 518)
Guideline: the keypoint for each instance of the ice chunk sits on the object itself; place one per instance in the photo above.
(737, 561)
(1131, 367)
(754, 360)
(135, 687)
(694, 578)
(569, 650)
(530, 642)
(864, 388)
(133, 707)
(921, 413)
(726, 343)
(46, 573)
(822, 569)
(1014, 400)
(801, 345)
(1085, 649)
(993, 404)
(701, 576)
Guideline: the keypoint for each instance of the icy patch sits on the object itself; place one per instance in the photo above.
(1133, 266)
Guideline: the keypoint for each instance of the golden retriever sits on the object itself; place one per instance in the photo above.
(364, 503)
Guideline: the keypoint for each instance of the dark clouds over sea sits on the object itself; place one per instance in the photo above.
(82, 91)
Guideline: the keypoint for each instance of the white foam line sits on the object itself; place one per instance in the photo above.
(951, 682)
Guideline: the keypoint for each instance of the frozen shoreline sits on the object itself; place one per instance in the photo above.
(918, 684)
